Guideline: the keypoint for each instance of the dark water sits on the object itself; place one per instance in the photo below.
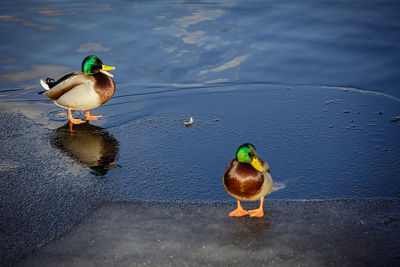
(313, 85)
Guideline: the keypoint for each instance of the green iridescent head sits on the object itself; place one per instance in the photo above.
(93, 64)
(247, 153)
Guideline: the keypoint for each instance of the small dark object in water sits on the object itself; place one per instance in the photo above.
(394, 119)
(389, 220)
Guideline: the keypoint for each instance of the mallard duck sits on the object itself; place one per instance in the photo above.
(247, 178)
(84, 90)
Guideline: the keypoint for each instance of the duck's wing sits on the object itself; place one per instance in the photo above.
(50, 83)
(67, 83)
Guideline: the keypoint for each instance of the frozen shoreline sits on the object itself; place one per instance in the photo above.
(346, 232)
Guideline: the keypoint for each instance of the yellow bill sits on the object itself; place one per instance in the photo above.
(104, 69)
(257, 164)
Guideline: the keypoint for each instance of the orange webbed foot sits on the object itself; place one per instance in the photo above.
(89, 117)
(239, 212)
(256, 213)
(73, 120)
(92, 117)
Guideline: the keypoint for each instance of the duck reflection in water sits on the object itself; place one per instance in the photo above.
(88, 144)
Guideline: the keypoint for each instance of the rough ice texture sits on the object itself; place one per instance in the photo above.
(352, 232)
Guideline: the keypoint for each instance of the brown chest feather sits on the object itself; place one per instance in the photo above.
(243, 180)
(104, 87)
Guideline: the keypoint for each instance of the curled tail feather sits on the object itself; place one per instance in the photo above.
(48, 84)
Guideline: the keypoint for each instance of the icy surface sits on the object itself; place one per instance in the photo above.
(301, 233)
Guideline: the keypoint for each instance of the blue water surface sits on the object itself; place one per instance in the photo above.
(314, 85)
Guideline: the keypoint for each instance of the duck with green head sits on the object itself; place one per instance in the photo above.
(247, 178)
(84, 90)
